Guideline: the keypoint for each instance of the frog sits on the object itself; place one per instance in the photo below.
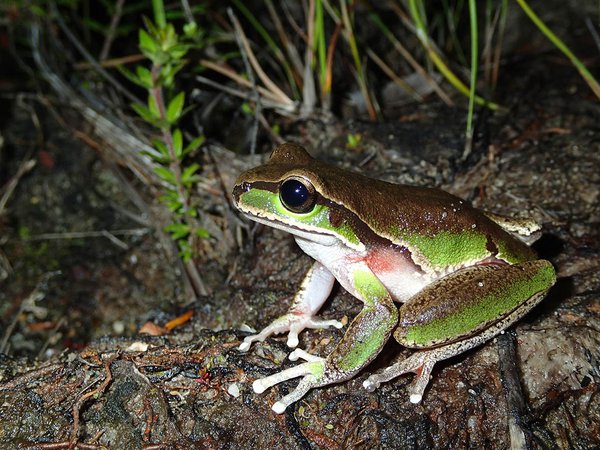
(434, 272)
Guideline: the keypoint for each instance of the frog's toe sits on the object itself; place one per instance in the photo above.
(300, 323)
(301, 354)
(262, 384)
(245, 345)
(248, 340)
(420, 363)
(311, 371)
(371, 383)
(292, 340)
(322, 323)
(305, 385)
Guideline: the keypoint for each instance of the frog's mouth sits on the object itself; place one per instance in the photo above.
(308, 233)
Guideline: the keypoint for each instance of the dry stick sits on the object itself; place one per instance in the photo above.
(86, 234)
(110, 35)
(498, 52)
(290, 48)
(10, 186)
(52, 333)
(112, 62)
(309, 96)
(590, 25)
(413, 62)
(488, 54)
(243, 44)
(187, 11)
(392, 75)
(515, 402)
(326, 88)
(275, 101)
(66, 444)
(283, 98)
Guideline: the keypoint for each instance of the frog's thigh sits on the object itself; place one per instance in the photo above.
(460, 312)
(477, 301)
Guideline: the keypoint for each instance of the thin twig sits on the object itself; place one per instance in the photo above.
(110, 34)
(89, 234)
(309, 95)
(276, 101)
(243, 44)
(590, 25)
(395, 78)
(10, 186)
(270, 85)
(290, 48)
(187, 11)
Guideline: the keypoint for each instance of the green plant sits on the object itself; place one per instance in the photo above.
(353, 140)
(166, 50)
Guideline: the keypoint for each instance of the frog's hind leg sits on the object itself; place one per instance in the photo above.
(490, 299)
(422, 362)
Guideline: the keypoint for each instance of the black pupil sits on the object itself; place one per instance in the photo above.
(294, 194)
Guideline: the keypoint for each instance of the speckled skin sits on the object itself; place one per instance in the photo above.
(461, 275)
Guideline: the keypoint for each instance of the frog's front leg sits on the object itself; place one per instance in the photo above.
(313, 292)
(366, 335)
(462, 311)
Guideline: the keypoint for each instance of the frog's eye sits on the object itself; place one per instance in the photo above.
(297, 195)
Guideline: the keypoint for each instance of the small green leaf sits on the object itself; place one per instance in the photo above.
(193, 145)
(169, 71)
(143, 112)
(178, 143)
(189, 29)
(165, 174)
(144, 77)
(178, 51)
(175, 107)
(162, 148)
(155, 157)
(247, 109)
(203, 233)
(171, 200)
(24, 232)
(185, 250)
(178, 230)
(150, 25)
(153, 106)
(148, 45)
(187, 175)
(353, 140)
(130, 76)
